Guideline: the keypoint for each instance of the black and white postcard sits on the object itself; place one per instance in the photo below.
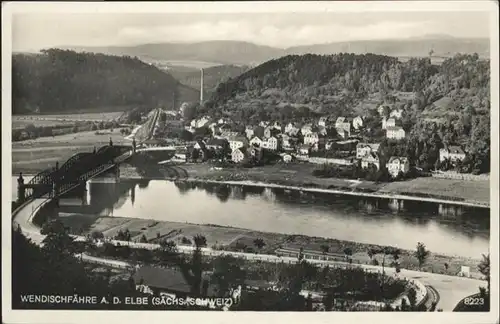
(283, 161)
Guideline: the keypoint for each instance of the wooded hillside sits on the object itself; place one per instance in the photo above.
(442, 105)
(66, 81)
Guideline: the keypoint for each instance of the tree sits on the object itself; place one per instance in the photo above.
(200, 241)
(412, 298)
(371, 253)
(227, 274)
(144, 239)
(421, 254)
(325, 248)
(348, 254)
(259, 243)
(484, 268)
(96, 235)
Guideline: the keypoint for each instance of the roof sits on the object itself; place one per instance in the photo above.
(371, 156)
(401, 159)
(217, 142)
(305, 146)
(373, 146)
(241, 149)
(394, 128)
(455, 150)
(161, 278)
(238, 139)
(256, 137)
(352, 141)
(392, 119)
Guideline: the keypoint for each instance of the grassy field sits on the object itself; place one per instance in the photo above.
(32, 156)
(228, 238)
(21, 121)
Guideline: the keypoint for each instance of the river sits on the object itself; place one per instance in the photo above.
(443, 229)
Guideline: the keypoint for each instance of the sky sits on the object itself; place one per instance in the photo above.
(33, 31)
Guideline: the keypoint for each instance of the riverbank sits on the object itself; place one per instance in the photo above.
(299, 175)
(239, 239)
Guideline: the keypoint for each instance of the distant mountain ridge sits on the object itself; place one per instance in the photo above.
(246, 53)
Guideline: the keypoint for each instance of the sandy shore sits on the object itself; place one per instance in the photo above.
(234, 238)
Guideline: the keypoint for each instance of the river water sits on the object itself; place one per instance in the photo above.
(443, 229)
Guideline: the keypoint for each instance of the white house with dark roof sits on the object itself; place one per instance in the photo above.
(312, 138)
(452, 153)
(371, 158)
(363, 149)
(397, 164)
(239, 155)
(396, 133)
(237, 142)
(256, 141)
(272, 143)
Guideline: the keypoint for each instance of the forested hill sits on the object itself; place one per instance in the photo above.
(66, 81)
(345, 84)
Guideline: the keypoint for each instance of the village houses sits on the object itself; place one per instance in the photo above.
(304, 149)
(277, 126)
(312, 138)
(381, 110)
(271, 131)
(363, 149)
(396, 113)
(371, 158)
(396, 133)
(452, 153)
(386, 123)
(216, 143)
(237, 142)
(357, 122)
(256, 153)
(272, 143)
(306, 129)
(256, 141)
(397, 165)
(249, 132)
(200, 122)
(239, 155)
(292, 129)
(343, 127)
(323, 122)
(287, 158)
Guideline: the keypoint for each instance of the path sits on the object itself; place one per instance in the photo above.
(451, 289)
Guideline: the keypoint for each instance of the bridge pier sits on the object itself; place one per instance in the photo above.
(21, 189)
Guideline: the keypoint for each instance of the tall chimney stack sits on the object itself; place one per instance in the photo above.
(201, 88)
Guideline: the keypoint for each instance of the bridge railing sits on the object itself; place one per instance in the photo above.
(76, 167)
